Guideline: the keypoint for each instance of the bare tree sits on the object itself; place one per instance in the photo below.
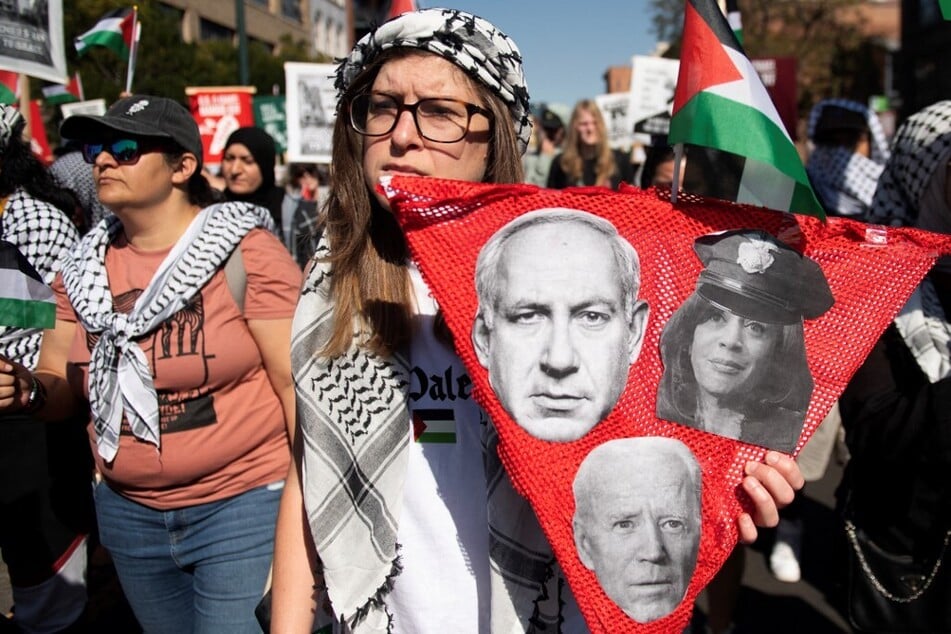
(826, 37)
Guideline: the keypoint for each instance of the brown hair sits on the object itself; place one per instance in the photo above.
(572, 161)
(370, 283)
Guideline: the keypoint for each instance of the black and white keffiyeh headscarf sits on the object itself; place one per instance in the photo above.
(473, 44)
(844, 181)
(921, 147)
(120, 381)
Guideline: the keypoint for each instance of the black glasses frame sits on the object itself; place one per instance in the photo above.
(363, 98)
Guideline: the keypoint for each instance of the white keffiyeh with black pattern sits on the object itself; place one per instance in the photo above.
(354, 420)
(845, 181)
(473, 44)
(44, 235)
(120, 381)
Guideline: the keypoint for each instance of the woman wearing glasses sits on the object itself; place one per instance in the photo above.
(437, 93)
(185, 367)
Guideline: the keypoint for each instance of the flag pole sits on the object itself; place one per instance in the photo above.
(24, 85)
(133, 50)
(675, 186)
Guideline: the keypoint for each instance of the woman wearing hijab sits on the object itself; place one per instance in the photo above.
(247, 167)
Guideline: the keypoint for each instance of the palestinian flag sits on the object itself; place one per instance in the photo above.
(59, 93)
(113, 31)
(434, 425)
(735, 19)
(945, 9)
(25, 301)
(9, 87)
(721, 103)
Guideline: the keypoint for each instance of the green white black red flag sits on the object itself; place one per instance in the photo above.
(721, 103)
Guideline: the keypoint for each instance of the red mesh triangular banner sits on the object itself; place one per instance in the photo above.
(803, 303)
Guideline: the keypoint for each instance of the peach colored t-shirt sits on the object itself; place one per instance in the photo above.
(222, 428)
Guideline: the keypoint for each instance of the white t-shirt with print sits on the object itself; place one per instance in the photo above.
(443, 530)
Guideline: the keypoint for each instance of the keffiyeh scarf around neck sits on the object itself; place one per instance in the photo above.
(912, 193)
(920, 146)
(845, 182)
(120, 381)
(355, 428)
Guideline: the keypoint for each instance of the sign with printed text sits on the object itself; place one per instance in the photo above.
(311, 111)
(31, 39)
(219, 111)
(653, 80)
(615, 108)
(270, 116)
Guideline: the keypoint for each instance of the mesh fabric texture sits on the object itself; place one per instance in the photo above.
(871, 271)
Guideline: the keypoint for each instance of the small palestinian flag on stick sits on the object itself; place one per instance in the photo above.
(735, 19)
(9, 87)
(114, 31)
(64, 93)
(25, 301)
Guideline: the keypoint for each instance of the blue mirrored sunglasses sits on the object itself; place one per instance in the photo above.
(124, 151)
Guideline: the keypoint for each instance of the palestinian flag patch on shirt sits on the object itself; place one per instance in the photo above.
(434, 426)
(25, 301)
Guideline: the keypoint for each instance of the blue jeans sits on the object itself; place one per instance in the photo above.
(195, 570)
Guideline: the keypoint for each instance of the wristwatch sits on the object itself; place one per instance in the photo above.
(37, 397)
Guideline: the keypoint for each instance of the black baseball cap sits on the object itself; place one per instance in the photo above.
(138, 116)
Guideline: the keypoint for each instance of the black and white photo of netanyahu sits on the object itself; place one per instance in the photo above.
(637, 522)
(558, 323)
(734, 353)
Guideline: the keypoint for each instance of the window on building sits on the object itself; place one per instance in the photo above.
(212, 31)
(291, 9)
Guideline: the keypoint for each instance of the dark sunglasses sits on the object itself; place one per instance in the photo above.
(124, 151)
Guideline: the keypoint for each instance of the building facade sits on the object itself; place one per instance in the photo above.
(922, 75)
(323, 24)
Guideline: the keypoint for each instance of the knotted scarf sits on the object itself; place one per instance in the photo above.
(120, 381)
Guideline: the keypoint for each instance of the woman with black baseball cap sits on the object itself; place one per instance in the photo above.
(185, 367)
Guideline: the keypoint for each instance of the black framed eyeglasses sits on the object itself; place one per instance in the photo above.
(124, 151)
(437, 120)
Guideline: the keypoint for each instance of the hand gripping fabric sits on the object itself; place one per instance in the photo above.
(871, 270)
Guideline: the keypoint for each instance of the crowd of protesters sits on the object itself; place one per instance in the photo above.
(187, 306)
